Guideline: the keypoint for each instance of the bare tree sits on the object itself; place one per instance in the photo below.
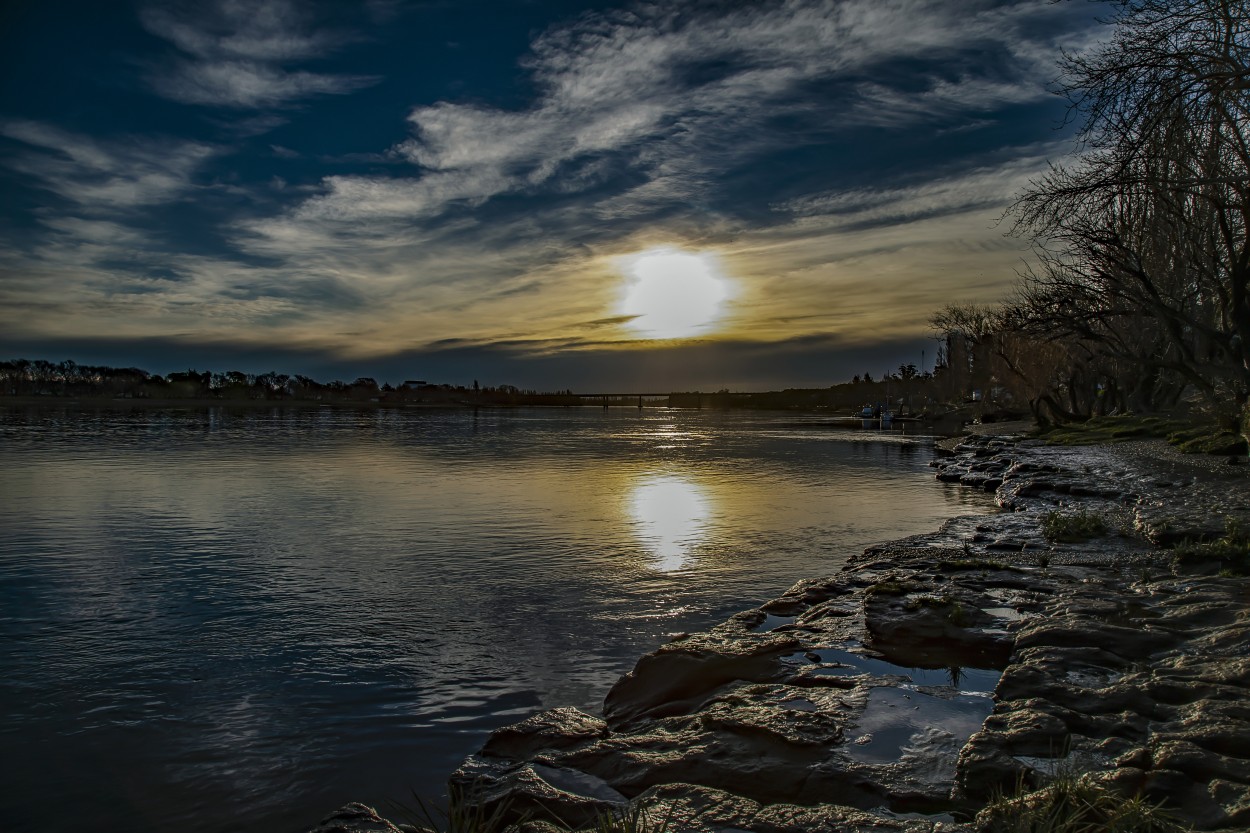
(1143, 240)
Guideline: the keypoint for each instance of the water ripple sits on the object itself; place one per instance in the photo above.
(221, 620)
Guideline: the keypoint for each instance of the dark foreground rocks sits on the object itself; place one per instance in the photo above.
(927, 677)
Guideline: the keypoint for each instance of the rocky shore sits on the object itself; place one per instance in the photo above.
(934, 673)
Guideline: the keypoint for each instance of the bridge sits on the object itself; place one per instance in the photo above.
(694, 399)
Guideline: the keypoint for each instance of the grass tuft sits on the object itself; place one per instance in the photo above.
(956, 613)
(1231, 553)
(465, 812)
(1074, 803)
(892, 587)
(637, 818)
(1073, 527)
(961, 564)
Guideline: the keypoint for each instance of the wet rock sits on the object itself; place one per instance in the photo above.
(560, 728)
(1073, 632)
(740, 756)
(705, 810)
(1156, 708)
(675, 679)
(535, 790)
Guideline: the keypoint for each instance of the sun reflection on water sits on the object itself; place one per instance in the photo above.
(671, 516)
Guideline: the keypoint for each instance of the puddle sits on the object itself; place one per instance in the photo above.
(771, 621)
(1008, 613)
(838, 662)
(895, 719)
(798, 704)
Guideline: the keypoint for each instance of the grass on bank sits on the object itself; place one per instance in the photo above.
(1185, 435)
(464, 812)
(953, 609)
(1230, 553)
(892, 587)
(964, 564)
(1073, 527)
(1074, 803)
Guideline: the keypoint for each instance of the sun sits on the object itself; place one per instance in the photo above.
(672, 294)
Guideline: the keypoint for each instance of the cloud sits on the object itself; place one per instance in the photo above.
(683, 94)
(648, 109)
(102, 175)
(938, 193)
(235, 55)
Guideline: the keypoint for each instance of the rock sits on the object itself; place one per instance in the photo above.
(555, 729)
(536, 791)
(675, 679)
(1123, 642)
(699, 809)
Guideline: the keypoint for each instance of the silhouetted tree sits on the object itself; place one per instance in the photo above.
(1144, 242)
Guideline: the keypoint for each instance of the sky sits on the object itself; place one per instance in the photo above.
(610, 196)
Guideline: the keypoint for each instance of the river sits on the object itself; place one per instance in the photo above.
(237, 620)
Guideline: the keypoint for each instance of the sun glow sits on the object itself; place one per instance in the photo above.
(673, 294)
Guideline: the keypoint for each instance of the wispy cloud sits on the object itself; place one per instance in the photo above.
(237, 54)
(660, 104)
(935, 193)
(682, 95)
(104, 175)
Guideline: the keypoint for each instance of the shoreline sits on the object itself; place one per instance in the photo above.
(831, 706)
(119, 403)
(944, 424)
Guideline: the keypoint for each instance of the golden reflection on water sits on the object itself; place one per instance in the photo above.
(671, 515)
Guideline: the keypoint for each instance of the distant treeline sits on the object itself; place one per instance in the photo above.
(41, 378)
(25, 377)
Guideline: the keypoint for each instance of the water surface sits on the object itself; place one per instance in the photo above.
(222, 620)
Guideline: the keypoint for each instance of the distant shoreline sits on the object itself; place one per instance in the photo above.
(938, 424)
(119, 403)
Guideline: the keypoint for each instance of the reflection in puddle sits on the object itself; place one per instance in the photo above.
(671, 514)
(772, 621)
(895, 719)
(937, 706)
(843, 663)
